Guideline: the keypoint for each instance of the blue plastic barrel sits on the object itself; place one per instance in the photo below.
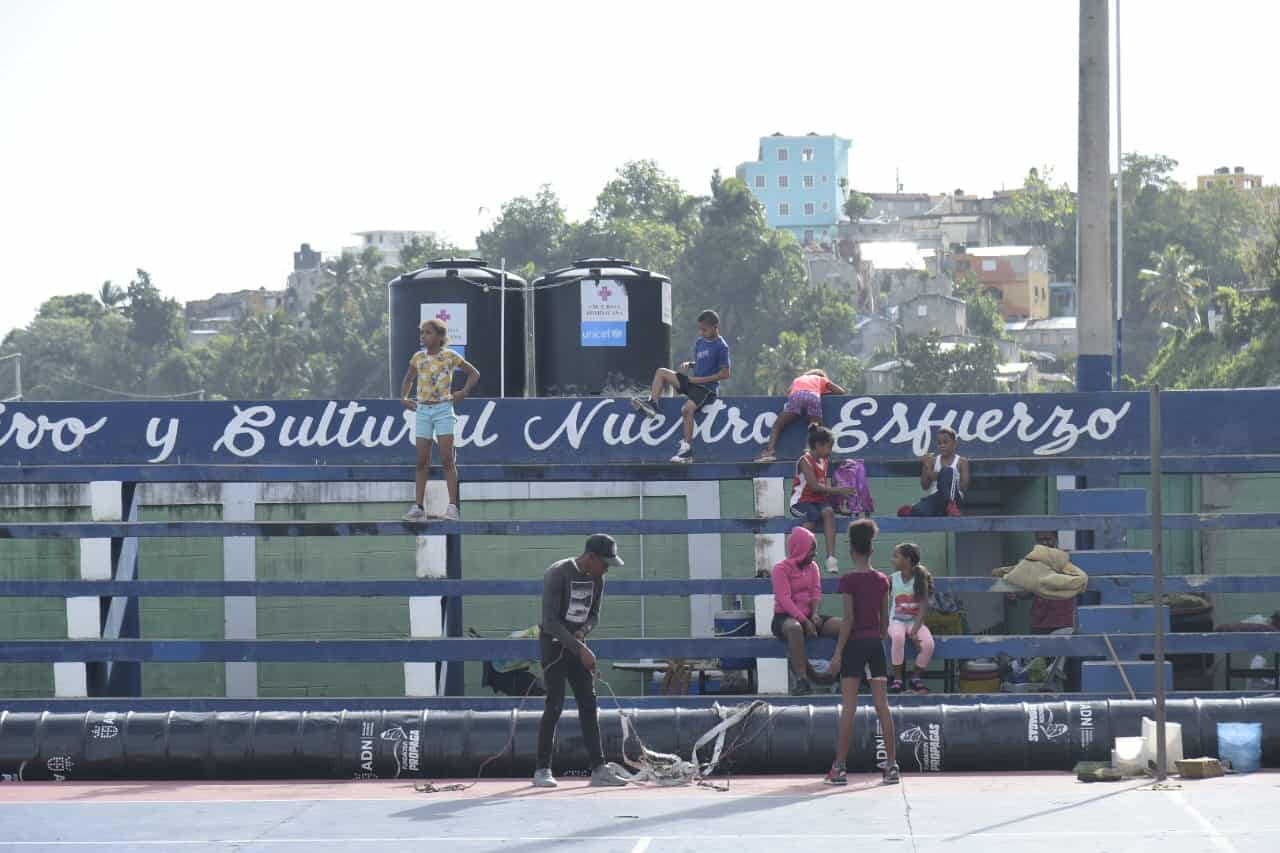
(735, 623)
(1241, 744)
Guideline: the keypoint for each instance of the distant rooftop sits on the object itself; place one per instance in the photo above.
(998, 251)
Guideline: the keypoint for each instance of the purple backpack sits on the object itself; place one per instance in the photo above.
(852, 474)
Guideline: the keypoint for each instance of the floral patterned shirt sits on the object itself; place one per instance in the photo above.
(435, 374)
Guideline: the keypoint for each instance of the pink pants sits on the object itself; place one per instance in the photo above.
(898, 642)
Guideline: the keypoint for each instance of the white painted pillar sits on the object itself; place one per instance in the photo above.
(702, 500)
(770, 549)
(1066, 538)
(239, 563)
(84, 618)
(426, 621)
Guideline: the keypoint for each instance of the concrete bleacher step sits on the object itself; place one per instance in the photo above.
(1118, 619)
(1127, 562)
(1104, 677)
(1098, 501)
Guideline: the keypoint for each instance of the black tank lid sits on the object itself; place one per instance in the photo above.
(474, 269)
(611, 268)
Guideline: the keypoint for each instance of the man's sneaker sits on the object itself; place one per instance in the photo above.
(836, 776)
(542, 778)
(767, 457)
(645, 406)
(892, 775)
(451, 513)
(833, 565)
(802, 688)
(895, 686)
(605, 776)
(917, 684)
(684, 455)
(415, 513)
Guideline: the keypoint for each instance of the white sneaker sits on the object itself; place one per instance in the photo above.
(833, 565)
(542, 778)
(415, 513)
(684, 455)
(451, 513)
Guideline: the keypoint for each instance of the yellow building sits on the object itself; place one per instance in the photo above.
(1235, 178)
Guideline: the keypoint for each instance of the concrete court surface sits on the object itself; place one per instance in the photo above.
(945, 812)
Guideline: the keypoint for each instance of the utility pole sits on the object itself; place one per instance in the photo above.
(1096, 325)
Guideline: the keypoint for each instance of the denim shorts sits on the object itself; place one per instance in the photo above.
(434, 420)
(810, 511)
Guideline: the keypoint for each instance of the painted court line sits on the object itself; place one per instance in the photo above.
(643, 839)
(1219, 840)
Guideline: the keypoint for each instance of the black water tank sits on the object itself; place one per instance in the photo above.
(603, 327)
(465, 293)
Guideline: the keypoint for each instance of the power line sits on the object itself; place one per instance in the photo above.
(130, 394)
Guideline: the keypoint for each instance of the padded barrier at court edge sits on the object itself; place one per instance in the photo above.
(451, 744)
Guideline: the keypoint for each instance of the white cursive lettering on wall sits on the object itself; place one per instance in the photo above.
(986, 427)
(248, 423)
(66, 434)
(477, 437)
(166, 442)
(571, 426)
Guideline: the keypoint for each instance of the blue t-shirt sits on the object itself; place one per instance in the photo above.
(709, 358)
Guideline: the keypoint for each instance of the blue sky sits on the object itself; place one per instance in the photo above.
(205, 141)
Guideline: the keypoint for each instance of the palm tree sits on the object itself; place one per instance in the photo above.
(1174, 290)
(110, 296)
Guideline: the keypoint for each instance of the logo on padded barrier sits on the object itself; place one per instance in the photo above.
(1040, 725)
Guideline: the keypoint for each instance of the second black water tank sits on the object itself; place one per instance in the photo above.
(603, 327)
(466, 294)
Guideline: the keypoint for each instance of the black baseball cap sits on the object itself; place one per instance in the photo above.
(604, 546)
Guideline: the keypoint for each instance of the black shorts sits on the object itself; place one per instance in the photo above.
(779, 619)
(701, 395)
(864, 658)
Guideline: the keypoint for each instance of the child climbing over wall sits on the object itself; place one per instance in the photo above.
(804, 400)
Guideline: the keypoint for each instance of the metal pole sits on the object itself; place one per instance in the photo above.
(1157, 579)
(1096, 318)
(502, 337)
(530, 365)
(642, 619)
(1119, 218)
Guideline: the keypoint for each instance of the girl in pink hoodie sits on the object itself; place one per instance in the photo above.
(797, 597)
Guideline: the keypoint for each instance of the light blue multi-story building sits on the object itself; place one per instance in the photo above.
(801, 181)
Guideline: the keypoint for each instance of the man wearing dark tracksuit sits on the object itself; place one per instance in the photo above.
(571, 594)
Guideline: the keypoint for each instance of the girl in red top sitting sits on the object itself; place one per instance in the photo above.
(860, 651)
(804, 400)
(812, 497)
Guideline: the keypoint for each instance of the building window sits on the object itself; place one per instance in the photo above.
(784, 209)
(808, 208)
(826, 206)
(807, 182)
(761, 182)
(988, 265)
(922, 310)
(783, 155)
(808, 235)
(824, 179)
(784, 182)
(806, 154)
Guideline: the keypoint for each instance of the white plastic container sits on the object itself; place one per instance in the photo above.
(1172, 742)
(1129, 756)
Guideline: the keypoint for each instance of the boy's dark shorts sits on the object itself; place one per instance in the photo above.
(699, 394)
(810, 511)
(863, 655)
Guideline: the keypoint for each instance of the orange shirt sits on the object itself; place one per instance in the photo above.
(811, 382)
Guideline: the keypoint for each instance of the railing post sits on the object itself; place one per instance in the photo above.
(769, 495)
(240, 563)
(455, 682)
(84, 613)
(426, 612)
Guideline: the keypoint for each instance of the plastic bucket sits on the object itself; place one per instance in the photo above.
(1172, 741)
(735, 623)
(1241, 744)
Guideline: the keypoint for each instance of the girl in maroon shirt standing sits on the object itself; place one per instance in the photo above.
(860, 651)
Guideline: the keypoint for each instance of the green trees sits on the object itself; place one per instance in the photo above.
(929, 367)
(1173, 290)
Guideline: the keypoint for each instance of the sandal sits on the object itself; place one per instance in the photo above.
(895, 686)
